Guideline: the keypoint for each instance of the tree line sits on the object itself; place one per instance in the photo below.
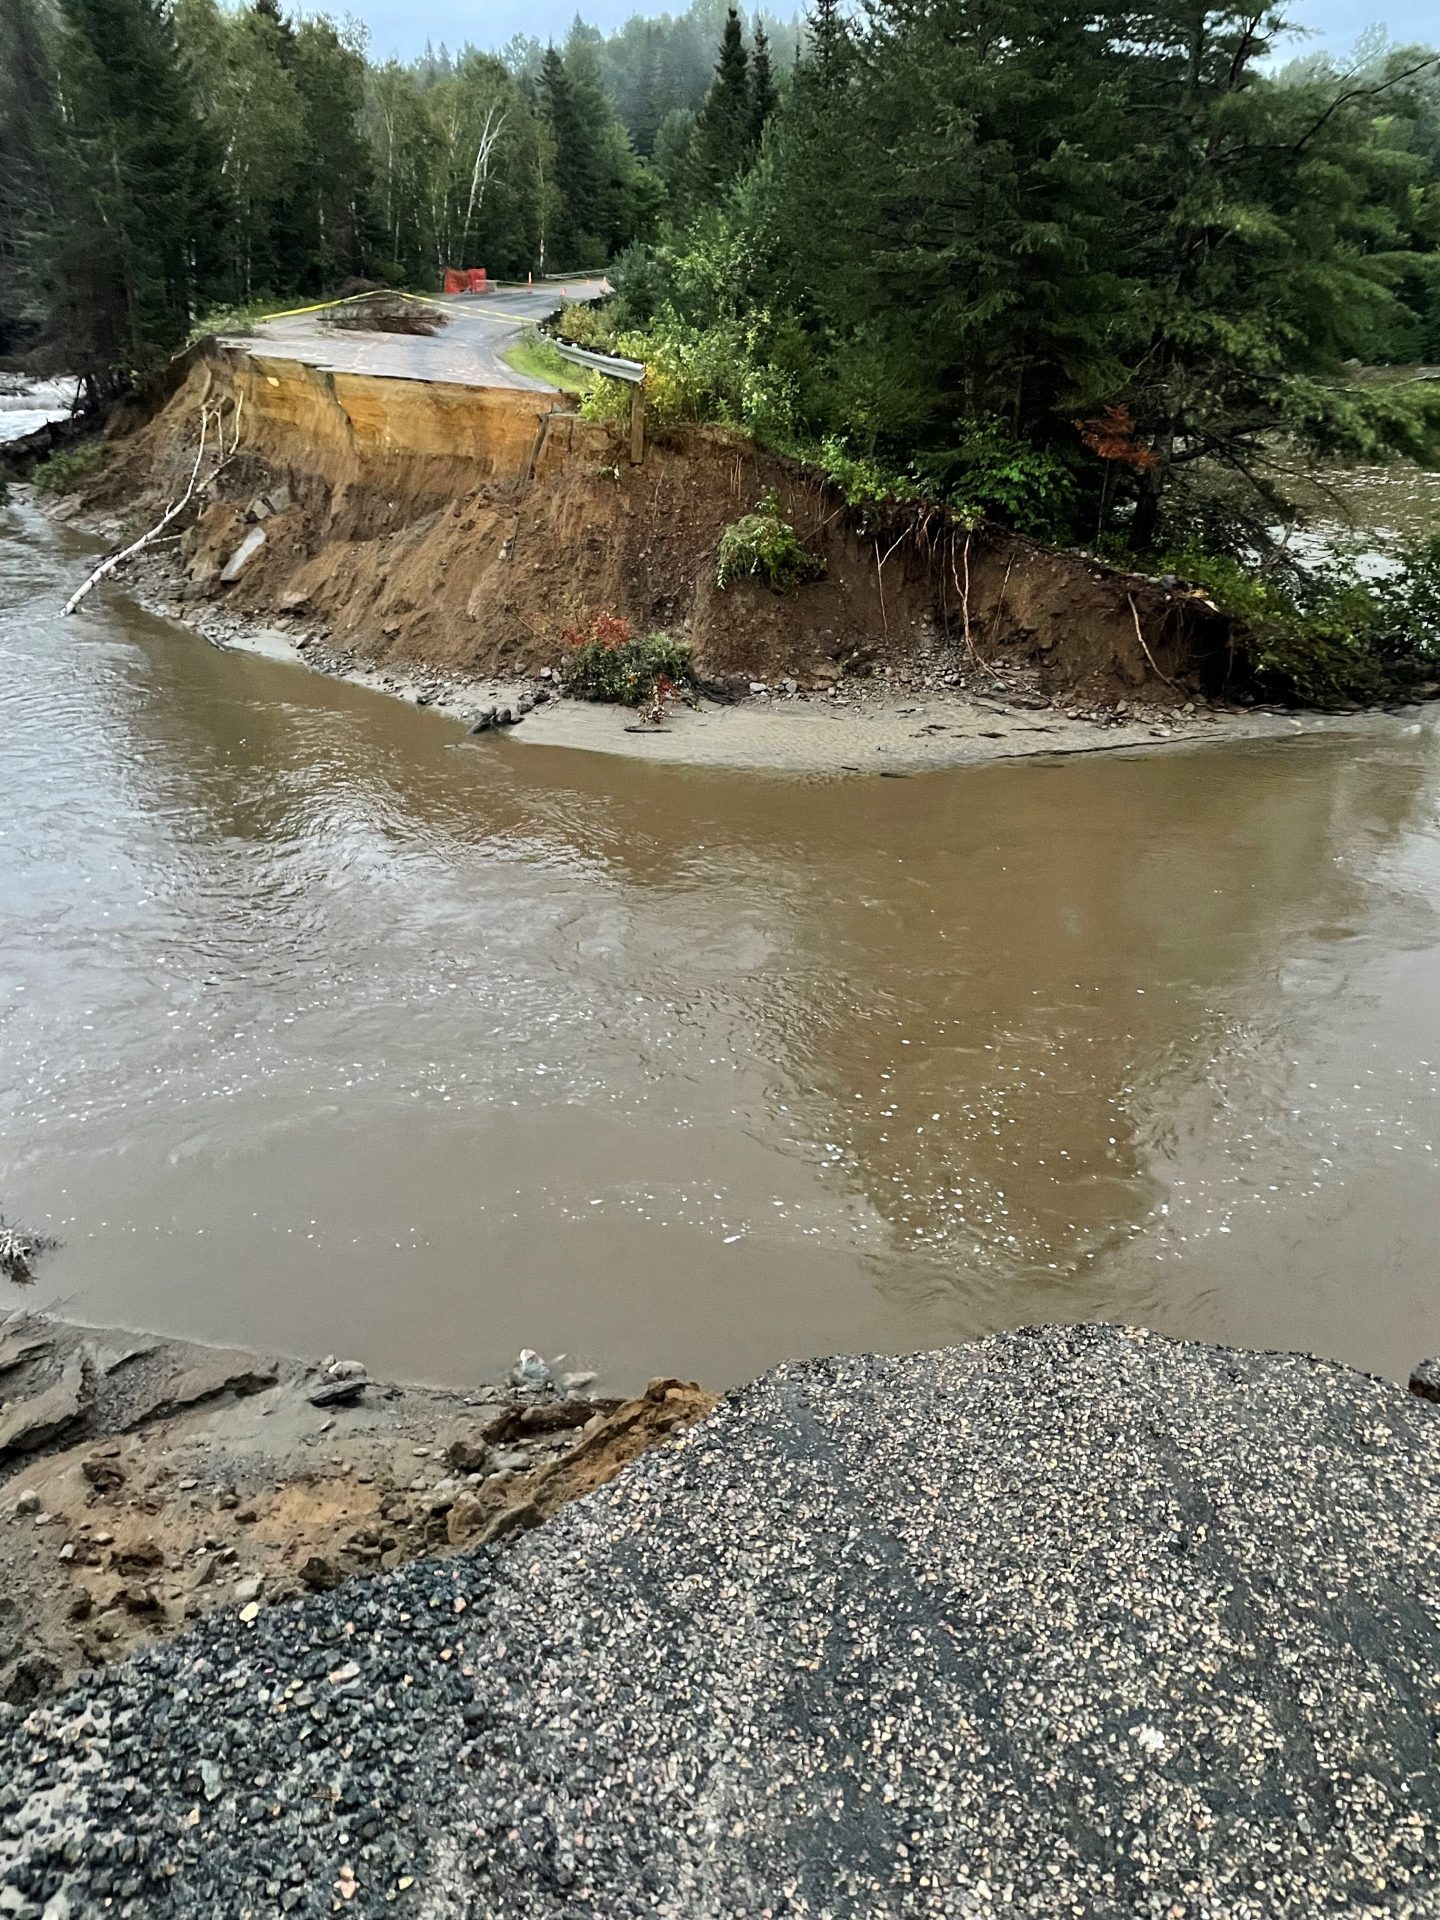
(1104, 272)
(1046, 261)
(162, 159)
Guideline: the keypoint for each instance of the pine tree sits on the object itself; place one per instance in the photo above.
(762, 86)
(30, 179)
(826, 28)
(577, 167)
(138, 188)
(672, 149)
(723, 137)
(333, 190)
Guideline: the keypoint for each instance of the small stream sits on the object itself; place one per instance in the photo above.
(320, 1029)
(28, 405)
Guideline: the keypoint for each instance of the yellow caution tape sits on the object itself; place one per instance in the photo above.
(319, 306)
(420, 299)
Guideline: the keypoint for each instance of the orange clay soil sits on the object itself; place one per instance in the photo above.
(463, 528)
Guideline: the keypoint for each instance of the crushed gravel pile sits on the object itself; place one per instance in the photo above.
(1076, 1622)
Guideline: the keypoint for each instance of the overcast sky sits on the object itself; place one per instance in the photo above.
(403, 26)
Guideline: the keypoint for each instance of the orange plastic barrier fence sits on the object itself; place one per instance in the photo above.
(466, 280)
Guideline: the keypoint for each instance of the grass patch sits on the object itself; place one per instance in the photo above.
(534, 356)
(64, 472)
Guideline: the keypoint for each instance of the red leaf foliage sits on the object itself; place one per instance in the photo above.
(1112, 436)
(610, 630)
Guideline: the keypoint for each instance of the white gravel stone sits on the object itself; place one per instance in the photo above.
(1077, 1622)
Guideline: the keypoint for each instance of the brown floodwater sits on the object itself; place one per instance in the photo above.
(321, 1030)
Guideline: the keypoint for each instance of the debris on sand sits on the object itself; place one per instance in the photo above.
(19, 1248)
(162, 1480)
(385, 313)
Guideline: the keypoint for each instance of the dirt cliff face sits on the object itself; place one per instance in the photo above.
(464, 528)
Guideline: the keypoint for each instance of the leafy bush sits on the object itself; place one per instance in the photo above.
(1324, 637)
(763, 546)
(741, 372)
(990, 475)
(1407, 607)
(586, 325)
(862, 481)
(64, 472)
(606, 661)
(986, 475)
(639, 287)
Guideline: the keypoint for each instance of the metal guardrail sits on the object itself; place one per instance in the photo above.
(632, 371)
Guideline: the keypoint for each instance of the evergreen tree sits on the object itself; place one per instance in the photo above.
(238, 70)
(138, 192)
(31, 184)
(825, 25)
(332, 192)
(762, 86)
(998, 224)
(723, 138)
(1264, 232)
(672, 149)
(574, 236)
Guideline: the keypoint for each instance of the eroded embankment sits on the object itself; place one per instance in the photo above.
(145, 1482)
(464, 528)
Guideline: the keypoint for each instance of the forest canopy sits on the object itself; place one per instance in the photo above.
(160, 159)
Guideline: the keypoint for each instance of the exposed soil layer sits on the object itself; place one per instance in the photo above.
(464, 528)
(144, 1482)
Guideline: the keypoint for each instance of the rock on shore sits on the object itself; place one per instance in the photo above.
(1077, 1621)
(146, 1482)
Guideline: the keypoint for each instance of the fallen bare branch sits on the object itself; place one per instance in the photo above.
(1135, 616)
(172, 513)
(18, 1248)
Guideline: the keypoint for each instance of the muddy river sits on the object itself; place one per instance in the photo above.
(321, 1030)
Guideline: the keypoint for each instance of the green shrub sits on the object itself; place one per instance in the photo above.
(990, 475)
(1324, 637)
(763, 546)
(64, 472)
(586, 324)
(862, 480)
(741, 373)
(605, 660)
(1407, 610)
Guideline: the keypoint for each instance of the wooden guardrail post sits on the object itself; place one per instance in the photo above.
(637, 423)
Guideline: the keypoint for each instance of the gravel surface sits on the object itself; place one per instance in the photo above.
(1077, 1622)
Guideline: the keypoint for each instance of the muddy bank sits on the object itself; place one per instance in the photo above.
(146, 1482)
(460, 531)
(907, 718)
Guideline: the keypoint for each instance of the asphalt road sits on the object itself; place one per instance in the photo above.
(1076, 1621)
(465, 352)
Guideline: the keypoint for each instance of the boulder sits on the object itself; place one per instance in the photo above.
(338, 1393)
(46, 1415)
(242, 556)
